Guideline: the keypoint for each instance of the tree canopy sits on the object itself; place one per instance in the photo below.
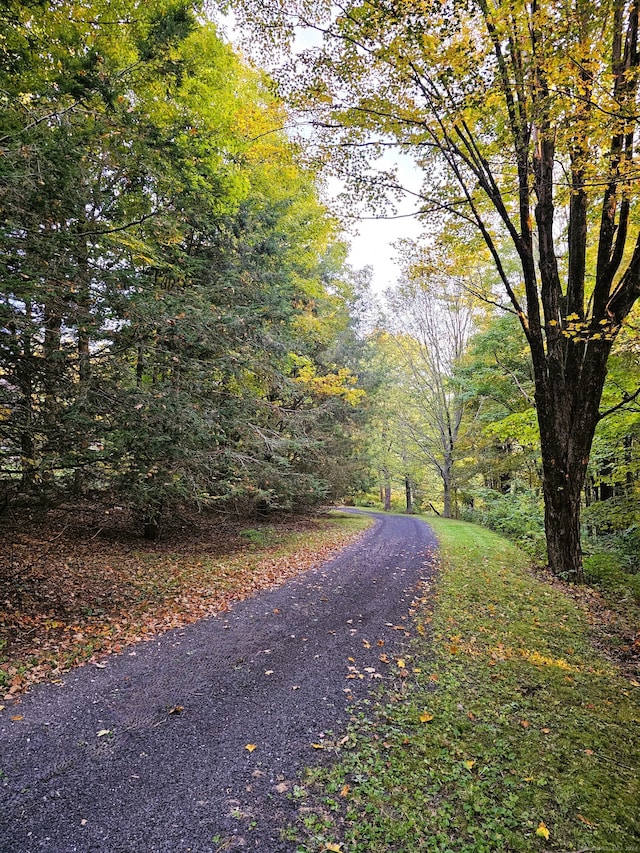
(173, 286)
(525, 129)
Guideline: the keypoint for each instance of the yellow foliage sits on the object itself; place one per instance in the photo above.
(542, 660)
(542, 831)
(339, 384)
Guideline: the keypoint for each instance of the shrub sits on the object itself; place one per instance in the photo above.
(517, 515)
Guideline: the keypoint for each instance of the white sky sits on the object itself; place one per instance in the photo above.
(372, 239)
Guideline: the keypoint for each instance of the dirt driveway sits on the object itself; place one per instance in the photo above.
(194, 741)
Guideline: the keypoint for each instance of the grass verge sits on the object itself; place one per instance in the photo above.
(510, 734)
(83, 601)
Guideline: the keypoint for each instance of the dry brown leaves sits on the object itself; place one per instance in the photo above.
(75, 584)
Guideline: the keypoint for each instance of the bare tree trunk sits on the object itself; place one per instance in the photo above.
(387, 489)
(408, 494)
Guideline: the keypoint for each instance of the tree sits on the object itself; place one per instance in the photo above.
(526, 128)
(172, 283)
(495, 377)
(431, 325)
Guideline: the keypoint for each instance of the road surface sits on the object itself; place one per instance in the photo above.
(146, 751)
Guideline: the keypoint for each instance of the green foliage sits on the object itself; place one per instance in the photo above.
(501, 437)
(609, 570)
(165, 256)
(510, 734)
(518, 515)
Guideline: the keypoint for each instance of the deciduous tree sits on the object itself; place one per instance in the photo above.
(523, 115)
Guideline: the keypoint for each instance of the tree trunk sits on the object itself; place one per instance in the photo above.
(51, 357)
(24, 375)
(447, 497)
(447, 484)
(408, 494)
(562, 493)
(568, 414)
(387, 490)
(84, 353)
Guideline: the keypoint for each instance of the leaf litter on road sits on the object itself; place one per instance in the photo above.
(76, 597)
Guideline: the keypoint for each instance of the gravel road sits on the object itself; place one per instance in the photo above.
(146, 751)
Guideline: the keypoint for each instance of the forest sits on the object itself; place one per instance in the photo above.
(204, 401)
(175, 301)
(180, 327)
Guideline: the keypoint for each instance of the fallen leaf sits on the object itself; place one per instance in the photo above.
(345, 791)
(317, 745)
(103, 732)
(251, 746)
(17, 717)
(366, 644)
(585, 821)
(177, 709)
(401, 663)
(469, 763)
(384, 658)
(525, 724)
(545, 731)
(542, 831)
(434, 676)
(282, 788)
(268, 672)
(426, 717)
(335, 848)
(588, 752)
(381, 643)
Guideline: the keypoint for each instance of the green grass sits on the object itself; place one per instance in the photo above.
(510, 726)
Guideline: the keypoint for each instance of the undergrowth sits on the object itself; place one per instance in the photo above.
(510, 734)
